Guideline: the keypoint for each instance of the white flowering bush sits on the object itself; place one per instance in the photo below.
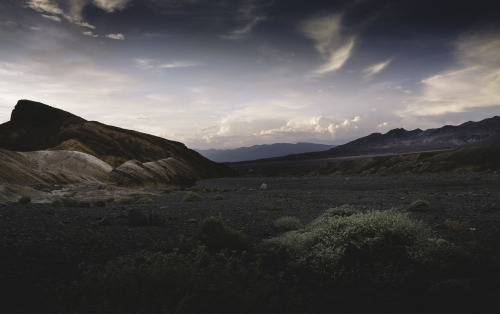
(344, 245)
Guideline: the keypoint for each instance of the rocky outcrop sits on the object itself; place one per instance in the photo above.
(169, 171)
(51, 167)
(36, 126)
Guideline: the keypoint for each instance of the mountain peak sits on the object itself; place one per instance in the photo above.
(32, 113)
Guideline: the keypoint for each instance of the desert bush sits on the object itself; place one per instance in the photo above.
(218, 197)
(125, 200)
(379, 248)
(457, 226)
(24, 200)
(418, 205)
(213, 233)
(134, 198)
(64, 202)
(191, 197)
(174, 282)
(287, 223)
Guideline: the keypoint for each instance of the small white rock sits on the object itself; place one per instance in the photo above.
(263, 186)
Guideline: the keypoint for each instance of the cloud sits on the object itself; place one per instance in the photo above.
(476, 84)
(50, 9)
(314, 126)
(369, 72)
(243, 32)
(329, 42)
(116, 36)
(337, 59)
(174, 65)
(150, 64)
(73, 13)
(111, 5)
(52, 17)
(45, 6)
(90, 34)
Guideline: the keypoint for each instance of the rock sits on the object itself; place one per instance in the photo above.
(263, 186)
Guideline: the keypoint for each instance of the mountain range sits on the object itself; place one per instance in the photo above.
(399, 141)
(471, 146)
(261, 151)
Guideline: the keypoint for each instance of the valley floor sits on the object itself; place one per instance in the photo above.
(43, 243)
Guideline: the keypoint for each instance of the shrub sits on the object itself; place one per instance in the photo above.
(135, 198)
(378, 248)
(174, 282)
(218, 197)
(191, 197)
(24, 200)
(287, 223)
(64, 202)
(217, 236)
(125, 200)
(418, 205)
(92, 239)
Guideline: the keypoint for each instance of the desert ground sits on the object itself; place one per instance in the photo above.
(42, 243)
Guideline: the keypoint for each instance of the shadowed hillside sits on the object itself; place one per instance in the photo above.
(36, 126)
(482, 158)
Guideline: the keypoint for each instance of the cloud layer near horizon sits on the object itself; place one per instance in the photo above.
(237, 73)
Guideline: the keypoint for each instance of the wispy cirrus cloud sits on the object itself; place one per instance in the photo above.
(244, 31)
(476, 84)
(334, 47)
(370, 71)
(45, 6)
(51, 9)
(111, 5)
(151, 64)
(52, 17)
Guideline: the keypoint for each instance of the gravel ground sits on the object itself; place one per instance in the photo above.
(40, 242)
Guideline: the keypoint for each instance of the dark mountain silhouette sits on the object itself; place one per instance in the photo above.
(398, 141)
(36, 126)
(261, 151)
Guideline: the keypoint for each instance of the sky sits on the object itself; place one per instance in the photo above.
(233, 73)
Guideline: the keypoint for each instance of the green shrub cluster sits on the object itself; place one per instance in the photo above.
(64, 202)
(287, 223)
(175, 282)
(418, 205)
(214, 233)
(135, 198)
(191, 197)
(377, 248)
(24, 200)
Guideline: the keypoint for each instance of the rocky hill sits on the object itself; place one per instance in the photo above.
(36, 127)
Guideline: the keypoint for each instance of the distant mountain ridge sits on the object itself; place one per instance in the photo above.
(35, 126)
(398, 141)
(261, 151)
